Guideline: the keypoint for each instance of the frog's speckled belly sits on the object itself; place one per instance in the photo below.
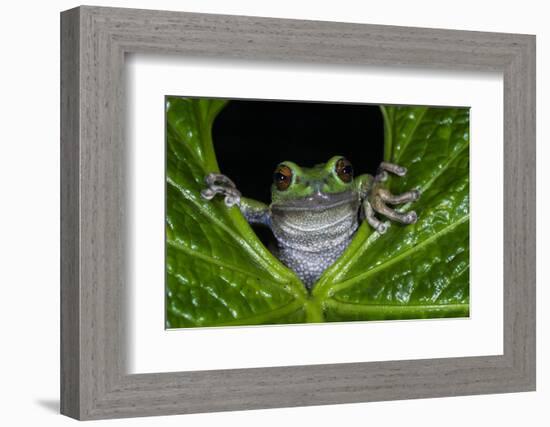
(309, 241)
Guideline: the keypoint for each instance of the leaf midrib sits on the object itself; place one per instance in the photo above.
(384, 308)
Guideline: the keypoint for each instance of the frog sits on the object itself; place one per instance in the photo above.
(315, 211)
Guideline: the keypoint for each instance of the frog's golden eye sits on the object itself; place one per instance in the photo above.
(344, 170)
(282, 177)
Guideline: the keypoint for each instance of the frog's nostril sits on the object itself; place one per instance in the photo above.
(319, 194)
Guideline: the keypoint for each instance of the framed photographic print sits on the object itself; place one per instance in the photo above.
(262, 213)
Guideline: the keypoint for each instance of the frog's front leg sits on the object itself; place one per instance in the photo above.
(255, 212)
(376, 199)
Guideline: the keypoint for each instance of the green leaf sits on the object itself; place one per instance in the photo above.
(420, 270)
(217, 271)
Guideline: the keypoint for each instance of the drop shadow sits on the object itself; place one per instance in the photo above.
(51, 405)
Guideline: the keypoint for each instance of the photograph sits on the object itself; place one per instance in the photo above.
(290, 212)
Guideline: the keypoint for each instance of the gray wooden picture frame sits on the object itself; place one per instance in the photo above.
(94, 382)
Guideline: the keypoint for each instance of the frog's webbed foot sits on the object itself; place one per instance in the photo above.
(221, 184)
(380, 198)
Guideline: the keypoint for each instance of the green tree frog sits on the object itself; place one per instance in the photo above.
(315, 211)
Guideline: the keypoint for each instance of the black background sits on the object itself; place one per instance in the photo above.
(252, 137)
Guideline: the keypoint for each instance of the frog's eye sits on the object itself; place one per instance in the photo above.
(344, 170)
(282, 177)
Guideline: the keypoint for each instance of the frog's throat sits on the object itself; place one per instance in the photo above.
(317, 201)
(296, 228)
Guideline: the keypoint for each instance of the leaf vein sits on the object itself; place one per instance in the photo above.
(346, 283)
(264, 317)
(220, 263)
(406, 142)
(264, 263)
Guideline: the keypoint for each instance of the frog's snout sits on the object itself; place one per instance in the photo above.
(319, 195)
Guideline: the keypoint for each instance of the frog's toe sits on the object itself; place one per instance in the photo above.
(393, 168)
(211, 178)
(232, 198)
(382, 228)
(382, 176)
(400, 170)
(218, 179)
(410, 217)
(208, 194)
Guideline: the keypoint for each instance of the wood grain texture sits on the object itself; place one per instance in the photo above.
(95, 275)
(70, 220)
